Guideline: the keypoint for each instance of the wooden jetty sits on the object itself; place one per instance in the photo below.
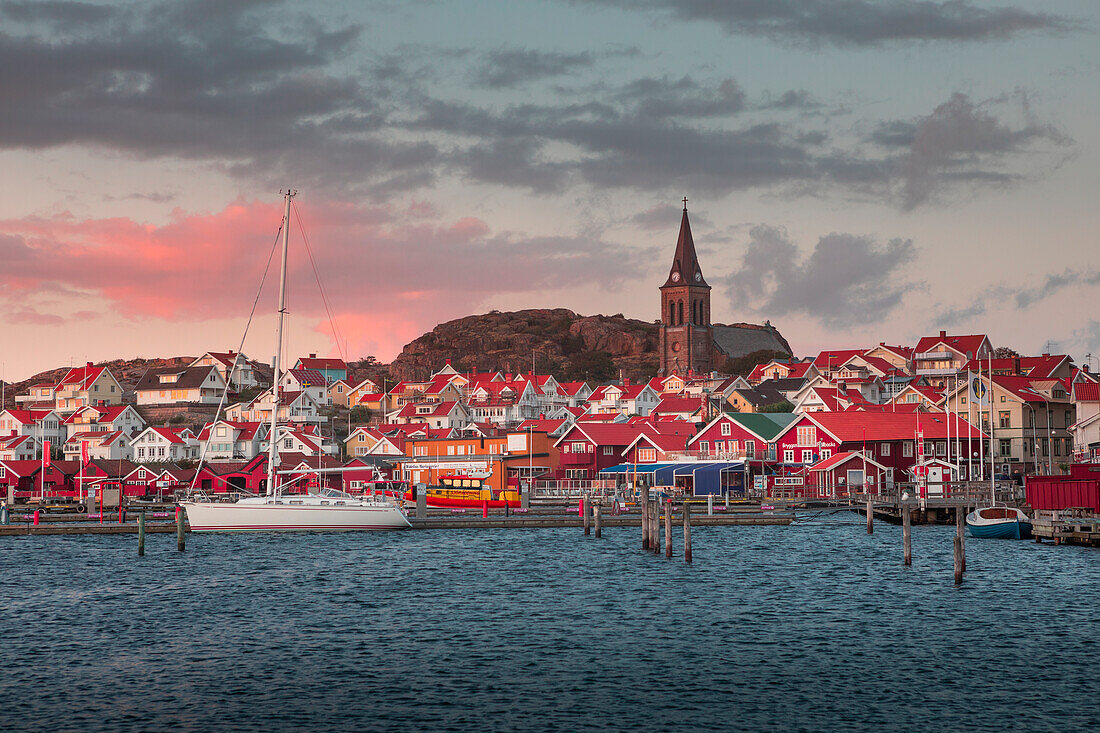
(1075, 526)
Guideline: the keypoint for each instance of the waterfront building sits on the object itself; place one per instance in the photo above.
(509, 459)
(114, 445)
(942, 356)
(1086, 428)
(161, 445)
(246, 375)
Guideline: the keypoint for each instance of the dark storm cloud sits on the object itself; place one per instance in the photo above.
(667, 217)
(847, 280)
(55, 13)
(513, 67)
(962, 142)
(853, 22)
(203, 80)
(682, 98)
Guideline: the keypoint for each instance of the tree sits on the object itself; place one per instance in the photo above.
(593, 366)
(783, 406)
(1003, 352)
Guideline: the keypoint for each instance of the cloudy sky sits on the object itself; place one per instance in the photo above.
(857, 170)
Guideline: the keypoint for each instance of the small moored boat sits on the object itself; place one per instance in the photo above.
(1000, 522)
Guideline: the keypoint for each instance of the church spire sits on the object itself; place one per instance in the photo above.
(685, 263)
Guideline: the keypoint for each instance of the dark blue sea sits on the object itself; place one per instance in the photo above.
(810, 627)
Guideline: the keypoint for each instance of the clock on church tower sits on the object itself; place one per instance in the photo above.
(687, 338)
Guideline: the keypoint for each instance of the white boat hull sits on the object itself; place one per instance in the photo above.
(283, 516)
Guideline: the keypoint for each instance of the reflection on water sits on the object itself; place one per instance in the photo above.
(810, 627)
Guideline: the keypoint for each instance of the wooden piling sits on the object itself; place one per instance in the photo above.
(958, 560)
(596, 519)
(586, 510)
(141, 534)
(907, 533)
(179, 529)
(687, 532)
(960, 533)
(643, 506)
(870, 518)
(668, 528)
(655, 527)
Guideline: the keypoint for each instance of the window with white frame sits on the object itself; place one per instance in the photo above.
(907, 449)
(807, 455)
(788, 455)
(726, 429)
(884, 449)
(826, 453)
(608, 450)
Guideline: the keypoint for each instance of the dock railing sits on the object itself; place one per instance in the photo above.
(573, 488)
(957, 492)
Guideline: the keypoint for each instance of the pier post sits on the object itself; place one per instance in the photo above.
(668, 528)
(655, 526)
(907, 533)
(35, 517)
(141, 534)
(687, 532)
(870, 518)
(4, 514)
(586, 510)
(596, 519)
(179, 529)
(645, 527)
(960, 533)
(525, 497)
(710, 505)
(958, 560)
(421, 501)
(727, 499)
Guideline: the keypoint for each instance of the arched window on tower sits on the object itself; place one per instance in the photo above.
(695, 312)
(671, 313)
(680, 307)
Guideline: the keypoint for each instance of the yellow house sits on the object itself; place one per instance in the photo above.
(84, 386)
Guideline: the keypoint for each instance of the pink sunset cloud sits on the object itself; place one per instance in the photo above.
(389, 276)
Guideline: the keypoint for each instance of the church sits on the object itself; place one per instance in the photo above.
(689, 342)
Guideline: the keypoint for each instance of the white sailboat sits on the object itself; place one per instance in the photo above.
(326, 510)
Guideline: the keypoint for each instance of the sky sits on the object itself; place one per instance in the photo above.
(857, 171)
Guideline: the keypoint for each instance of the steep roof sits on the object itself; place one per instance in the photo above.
(965, 345)
(187, 378)
(321, 363)
(851, 427)
(685, 261)
(1086, 392)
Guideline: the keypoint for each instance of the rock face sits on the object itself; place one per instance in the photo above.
(559, 341)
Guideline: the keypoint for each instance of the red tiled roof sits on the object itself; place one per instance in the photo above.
(1036, 367)
(835, 358)
(309, 377)
(962, 344)
(322, 363)
(83, 376)
(1086, 391)
(679, 405)
(851, 426)
(610, 434)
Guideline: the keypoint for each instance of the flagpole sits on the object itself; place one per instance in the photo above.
(970, 432)
(981, 440)
(992, 432)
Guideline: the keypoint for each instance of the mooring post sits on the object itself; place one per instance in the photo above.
(179, 529)
(907, 533)
(35, 517)
(141, 534)
(655, 526)
(710, 505)
(643, 505)
(4, 513)
(687, 532)
(958, 560)
(596, 519)
(668, 528)
(960, 533)
(586, 510)
(421, 501)
(727, 499)
(870, 518)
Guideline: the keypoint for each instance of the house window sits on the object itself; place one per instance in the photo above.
(964, 400)
(1057, 446)
(141, 452)
(647, 454)
(939, 449)
(1004, 419)
(1045, 446)
(883, 449)
(1003, 398)
(807, 435)
(929, 448)
(788, 455)
(704, 446)
(807, 456)
(1006, 447)
(907, 449)
(725, 428)
(160, 451)
(608, 450)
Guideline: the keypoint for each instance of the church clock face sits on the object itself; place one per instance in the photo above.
(675, 277)
(676, 346)
(698, 276)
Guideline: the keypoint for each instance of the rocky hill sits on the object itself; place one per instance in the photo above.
(126, 371)
(559, 341)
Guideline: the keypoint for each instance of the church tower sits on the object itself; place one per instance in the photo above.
(687, 338)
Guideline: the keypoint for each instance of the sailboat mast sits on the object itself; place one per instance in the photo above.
(273, 449)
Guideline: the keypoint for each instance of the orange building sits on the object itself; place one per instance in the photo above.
(507, 458)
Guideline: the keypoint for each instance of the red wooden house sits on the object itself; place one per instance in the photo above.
(589, 447)
(225, 476)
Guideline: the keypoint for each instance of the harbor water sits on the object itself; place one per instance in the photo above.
(816, 626)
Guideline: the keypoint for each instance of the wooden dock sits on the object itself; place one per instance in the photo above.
(436, 520)
(1069, 526)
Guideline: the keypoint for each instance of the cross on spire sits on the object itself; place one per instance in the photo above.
(685, 203)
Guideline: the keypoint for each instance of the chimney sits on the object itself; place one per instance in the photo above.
(943, 334)
(1016, 365)
(626, 382)
(842, 385)
(881, 343)
(542, 416)
(1045, 354)
(89, 366)
(312, 356)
